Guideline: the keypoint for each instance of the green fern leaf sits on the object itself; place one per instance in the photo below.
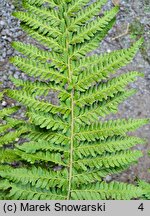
(86, 14)
(95, 175)
(41, 156)
(37, 177)
(49, 42)
(81, 50)
(1, 95)
(110, 60)
(48, 121)
(75, 6)
(56, 138)
(44, 14)
(29, 101)
(91, 114)
(108, 89)
(7, 156)
(32, 147)
(102, 130)
(11, 136)
(102, 191)
(27, 192)
(8, 111)
(33, 52)
(39, 88)
(99, 68)
(34, 22)
(146, 187)
(85, 33)
(110, 145)
(11, 123)
(32, 68)
(52, 3)
(108, 160)
(4, 184)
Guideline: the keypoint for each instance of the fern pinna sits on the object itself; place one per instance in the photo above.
(68, 150)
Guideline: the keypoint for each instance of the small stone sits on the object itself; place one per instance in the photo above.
(4, 103)
(16, 75)
(17, 139)
(5, 78)
(108, 178)
(9, 52)
(2, 23)
(108, 50)
(12, 7)
(148, 77)
(9, 39)
(4, 55)
(57, 168)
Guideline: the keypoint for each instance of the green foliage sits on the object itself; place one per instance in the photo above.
(101, 191)
(7, 124)
(146, 188)
(66, 150)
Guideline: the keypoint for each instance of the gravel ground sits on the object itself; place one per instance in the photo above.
(132, 23)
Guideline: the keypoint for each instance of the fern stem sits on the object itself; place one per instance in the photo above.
(71, 145)
(72, 128)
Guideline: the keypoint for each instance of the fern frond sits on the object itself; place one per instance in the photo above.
(7, 156)
(56, 138)
(110, 145)
(44, 14)
(109, 89)
(35, 88)
(38, 177)
(4, 184)
(48, 121)
(80, 50)
(27, 192)
(12, 136)
(3, 195)
(41, 156)
(146, 188)
(91, 114)
(34, 22)
(8, 111)
(52, 3)
(85, 15)
(102, 191)
(32, 51)
(95, 175)
(109, 160)
(41, 88)
(1, 95)
(32, 103)
(11, 123)
(88, 31)
(102, 130)
(109, 59)
(75, 6)
(33, 68)
(49, 42)
(97, 68)
(32, 147)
